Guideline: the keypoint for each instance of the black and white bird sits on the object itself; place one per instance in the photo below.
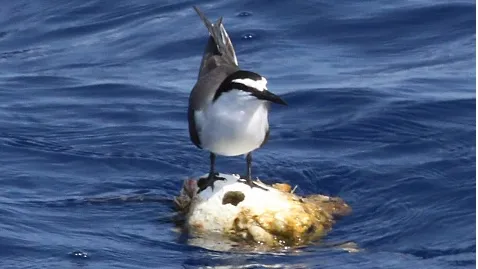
(228, 107)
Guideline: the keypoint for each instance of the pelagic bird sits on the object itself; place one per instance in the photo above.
(228, 106)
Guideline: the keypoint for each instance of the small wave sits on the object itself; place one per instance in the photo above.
(429, 253)
(369, 118)
(62, 150)
(114, 199)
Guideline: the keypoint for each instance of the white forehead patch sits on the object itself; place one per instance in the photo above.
(260, 85)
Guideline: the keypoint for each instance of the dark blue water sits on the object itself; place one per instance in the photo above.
(94, 141)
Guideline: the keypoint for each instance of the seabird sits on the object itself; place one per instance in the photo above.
(228, 106)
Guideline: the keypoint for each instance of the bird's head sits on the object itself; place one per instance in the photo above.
(251, 83)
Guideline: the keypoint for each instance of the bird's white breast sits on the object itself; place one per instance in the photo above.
(235, 124)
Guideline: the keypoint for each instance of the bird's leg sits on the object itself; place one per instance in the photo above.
(203, 183)
(248, 178)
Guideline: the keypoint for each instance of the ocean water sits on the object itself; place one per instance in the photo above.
(94, 141)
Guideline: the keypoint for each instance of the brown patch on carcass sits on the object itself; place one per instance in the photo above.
(233, 198)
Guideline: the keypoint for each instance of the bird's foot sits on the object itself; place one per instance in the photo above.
(251, 183)
(205, 182)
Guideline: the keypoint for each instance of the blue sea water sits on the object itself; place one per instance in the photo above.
(94, 141)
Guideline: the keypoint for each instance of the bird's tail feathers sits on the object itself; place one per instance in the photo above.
(220, 36)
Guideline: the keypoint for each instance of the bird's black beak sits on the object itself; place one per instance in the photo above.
(267, 95)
